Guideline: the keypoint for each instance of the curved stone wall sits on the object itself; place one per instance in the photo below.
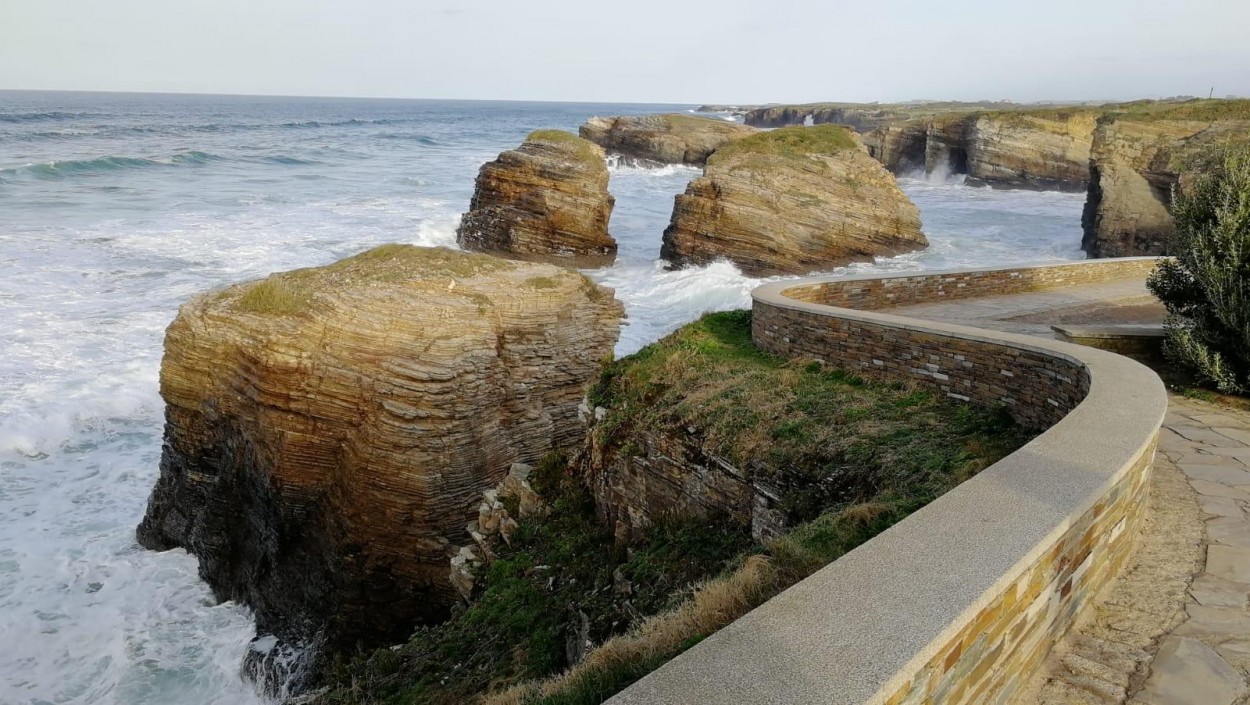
(962, 600)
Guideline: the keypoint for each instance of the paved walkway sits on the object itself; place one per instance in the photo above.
(1174, 629)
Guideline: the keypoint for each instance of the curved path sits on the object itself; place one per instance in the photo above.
(1175, 628)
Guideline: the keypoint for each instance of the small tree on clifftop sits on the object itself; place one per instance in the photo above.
(1206, 288)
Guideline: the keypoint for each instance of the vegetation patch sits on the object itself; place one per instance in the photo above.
(291, 293)
(1199, 109)
(1206, 286)
(584, 149)
(793, 143)
(859, 454)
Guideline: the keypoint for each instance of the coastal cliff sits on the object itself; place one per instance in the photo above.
(1042, 150)
(1138, 157)
(791, 201)
(546, 200)
(996, 145)
(654, 140)
(329, 431)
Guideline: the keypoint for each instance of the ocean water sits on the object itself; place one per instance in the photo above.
(116, 208)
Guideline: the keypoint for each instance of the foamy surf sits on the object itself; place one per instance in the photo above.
(92, 269)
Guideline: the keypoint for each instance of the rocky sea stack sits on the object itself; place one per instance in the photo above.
(655, 140)
(546, 200)
(330, 431)
(792, 201)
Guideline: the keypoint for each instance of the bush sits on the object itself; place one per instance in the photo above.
(1206, 287)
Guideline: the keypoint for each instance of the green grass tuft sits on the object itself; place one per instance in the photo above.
(585, 149)
(796, 143)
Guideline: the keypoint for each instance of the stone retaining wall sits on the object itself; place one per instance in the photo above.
(959, 602)
(871, 293)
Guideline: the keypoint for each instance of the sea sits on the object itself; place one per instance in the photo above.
(117, 208)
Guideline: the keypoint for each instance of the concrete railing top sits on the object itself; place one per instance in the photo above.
(853, 632)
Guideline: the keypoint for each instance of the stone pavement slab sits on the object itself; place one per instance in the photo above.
(1188, 672)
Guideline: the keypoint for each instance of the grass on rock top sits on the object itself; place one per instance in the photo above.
(791, 143)
(585, 149)
(831, 436)
(290, 293)
(856, 456)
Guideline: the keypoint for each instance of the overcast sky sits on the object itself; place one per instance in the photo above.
(635, 50)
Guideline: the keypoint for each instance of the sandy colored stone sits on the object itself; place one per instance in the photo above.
(329, 431)
(546, 200)
(653, 140)
(1188, 672)
(1043, 151)
(1221, 506)
(1212, 591)
(1229, 562)
(1219, 489)
(774, 209)
(1222, 471)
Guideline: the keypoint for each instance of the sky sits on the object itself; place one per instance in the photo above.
(675, 51)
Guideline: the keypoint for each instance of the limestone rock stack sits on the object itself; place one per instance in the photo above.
(330, 431)
(792, 201)
(1136, 161)
(653, 140)
(546, 200)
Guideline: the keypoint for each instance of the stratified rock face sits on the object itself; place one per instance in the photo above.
(667, 475)
(1134, 165)
(946, 145)
(1042, 151)
(546, 200)
(792, 201)
(900, 147)
(652, 140)
(862, 118)
(330, 431)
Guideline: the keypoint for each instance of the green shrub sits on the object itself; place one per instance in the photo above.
(1206, 287)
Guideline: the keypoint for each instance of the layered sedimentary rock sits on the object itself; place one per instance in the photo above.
(1036, 150)
(1015, 148)
(652, 140)
(1135, 163)
(946, 145)
(900, 146)
(546, 200)
(330, 431)
(667, 474)
(861, 117)
(791, 201)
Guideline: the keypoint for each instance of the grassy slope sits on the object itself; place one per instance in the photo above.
(860, 455)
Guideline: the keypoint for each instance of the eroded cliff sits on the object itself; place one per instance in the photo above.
(1138, 157)
(329, 431)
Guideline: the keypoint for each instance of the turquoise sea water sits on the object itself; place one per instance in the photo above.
(115, 208)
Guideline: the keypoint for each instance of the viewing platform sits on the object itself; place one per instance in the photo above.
(1050, 576)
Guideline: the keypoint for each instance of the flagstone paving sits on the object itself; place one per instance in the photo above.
(1174, 629)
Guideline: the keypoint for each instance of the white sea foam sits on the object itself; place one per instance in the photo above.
(93, 269)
